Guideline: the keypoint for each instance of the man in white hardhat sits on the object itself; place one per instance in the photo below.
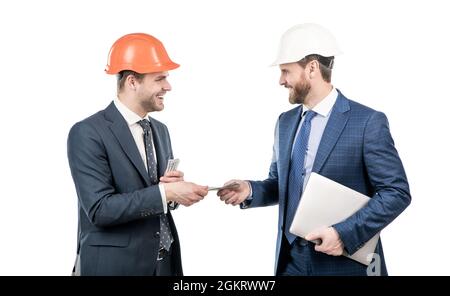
(337, 138)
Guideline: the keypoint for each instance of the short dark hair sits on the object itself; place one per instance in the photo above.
(122, 77)
(325, 64)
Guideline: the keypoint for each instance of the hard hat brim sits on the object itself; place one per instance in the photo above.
(281, 61)
(143, 69)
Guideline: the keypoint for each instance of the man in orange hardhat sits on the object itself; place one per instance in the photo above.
(118, 159)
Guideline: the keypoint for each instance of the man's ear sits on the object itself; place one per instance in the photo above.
(131, 82)
(313, 69)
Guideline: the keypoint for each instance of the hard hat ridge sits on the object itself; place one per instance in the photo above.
(139, 52)
(306, 39)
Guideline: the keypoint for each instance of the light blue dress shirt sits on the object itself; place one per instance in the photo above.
(318, 124)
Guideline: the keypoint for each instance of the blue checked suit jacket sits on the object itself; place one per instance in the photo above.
(356, 150)
(118, 207)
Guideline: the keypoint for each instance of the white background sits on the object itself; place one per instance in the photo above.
(221, 115)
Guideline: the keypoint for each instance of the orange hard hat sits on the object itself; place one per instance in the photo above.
(139, 52)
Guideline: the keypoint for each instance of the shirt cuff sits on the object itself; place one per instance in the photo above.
(163, 197)
(246, 203)
(250, 196)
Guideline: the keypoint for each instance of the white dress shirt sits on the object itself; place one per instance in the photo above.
(137, 132)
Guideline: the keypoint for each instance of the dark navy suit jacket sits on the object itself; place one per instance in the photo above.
(356, 150)
(118, 207)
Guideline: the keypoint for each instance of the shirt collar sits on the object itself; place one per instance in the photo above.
(130, 117)
(324, 107)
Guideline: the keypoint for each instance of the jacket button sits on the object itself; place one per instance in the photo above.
(156, 235)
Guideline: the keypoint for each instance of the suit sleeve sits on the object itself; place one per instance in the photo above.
(265, 193)
(94, 183)
(387, 176)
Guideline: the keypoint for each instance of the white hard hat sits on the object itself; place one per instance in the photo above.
(303, 40)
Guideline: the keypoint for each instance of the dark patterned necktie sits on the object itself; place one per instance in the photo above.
(297, 173)
(165, 234)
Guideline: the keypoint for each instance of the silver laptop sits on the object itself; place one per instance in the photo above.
(326, 202)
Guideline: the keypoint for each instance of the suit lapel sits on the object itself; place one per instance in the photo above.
(288, 128)
(161, 156)
(338, 119)
(121, 131)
